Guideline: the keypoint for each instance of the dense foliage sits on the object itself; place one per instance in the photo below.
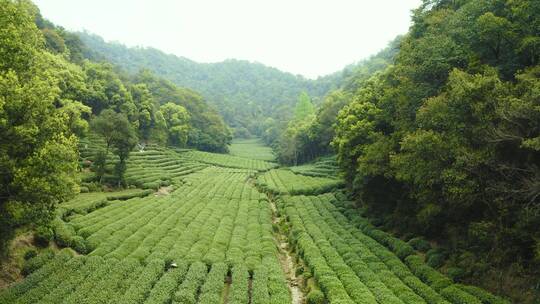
(445, 141)
(308, 133)
(38, 123)
(49, 91)
(245, 93)
(158, 110)
(201, 127)
(356, 263)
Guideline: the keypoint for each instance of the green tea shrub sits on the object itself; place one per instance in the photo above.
(420, 244)
(435, 257)
(187, 292)
(37, 261)
(455, 273)
(239, 285)
(43, 235)
(163, 290)
(484, 296)
(458, 296)
(315, 297)
(427, 274)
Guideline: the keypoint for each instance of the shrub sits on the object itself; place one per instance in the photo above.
(420, 244)
(79, 244)
(92, 186)
(162, 291)
(484, 296)
(435, 257)
(187, 292)
(423, 290)
(316, 297)
(43, 235)
(400, 248)
(63, 233)
(88, 178)
(458, 296)
(124, 197)
(427, 274)
(151, 185)
(212, 288)
(36, 262)
(259, 287)
(29, 254)
(239, 286)
(455, 273)
(141, 286)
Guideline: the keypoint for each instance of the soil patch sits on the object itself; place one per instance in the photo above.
(162, 191)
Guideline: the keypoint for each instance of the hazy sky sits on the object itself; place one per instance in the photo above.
(305, 37)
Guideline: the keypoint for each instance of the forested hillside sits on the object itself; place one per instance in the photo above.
(50, 92)
(308, 133)
(245, 93)
(444, 143)
(141, 96)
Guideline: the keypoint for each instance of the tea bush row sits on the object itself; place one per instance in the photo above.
(282, 181)
(230, 161)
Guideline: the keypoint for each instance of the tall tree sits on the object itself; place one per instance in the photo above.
(118, 134)
(146, 109)
(177, 120)
(124, 140)
(38, 157)
(304, 107)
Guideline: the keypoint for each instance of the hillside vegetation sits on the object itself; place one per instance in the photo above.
(48, 94)
(247, 94)
(412, 176)
(444, 142)
(244, 92)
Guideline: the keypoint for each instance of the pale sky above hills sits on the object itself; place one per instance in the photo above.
(311, 38)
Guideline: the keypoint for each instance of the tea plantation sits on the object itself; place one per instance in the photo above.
(204, 228)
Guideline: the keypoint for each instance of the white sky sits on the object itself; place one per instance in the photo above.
(312, 38)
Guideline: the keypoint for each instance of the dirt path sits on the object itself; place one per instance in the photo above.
(227, 289)
(287, 262)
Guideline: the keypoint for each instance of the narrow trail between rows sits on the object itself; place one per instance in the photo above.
(286, 260)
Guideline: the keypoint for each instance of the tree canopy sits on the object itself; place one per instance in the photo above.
(444, 142)
(49, 91)
(38, 158)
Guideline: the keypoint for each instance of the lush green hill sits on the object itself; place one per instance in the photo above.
(244, 92)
